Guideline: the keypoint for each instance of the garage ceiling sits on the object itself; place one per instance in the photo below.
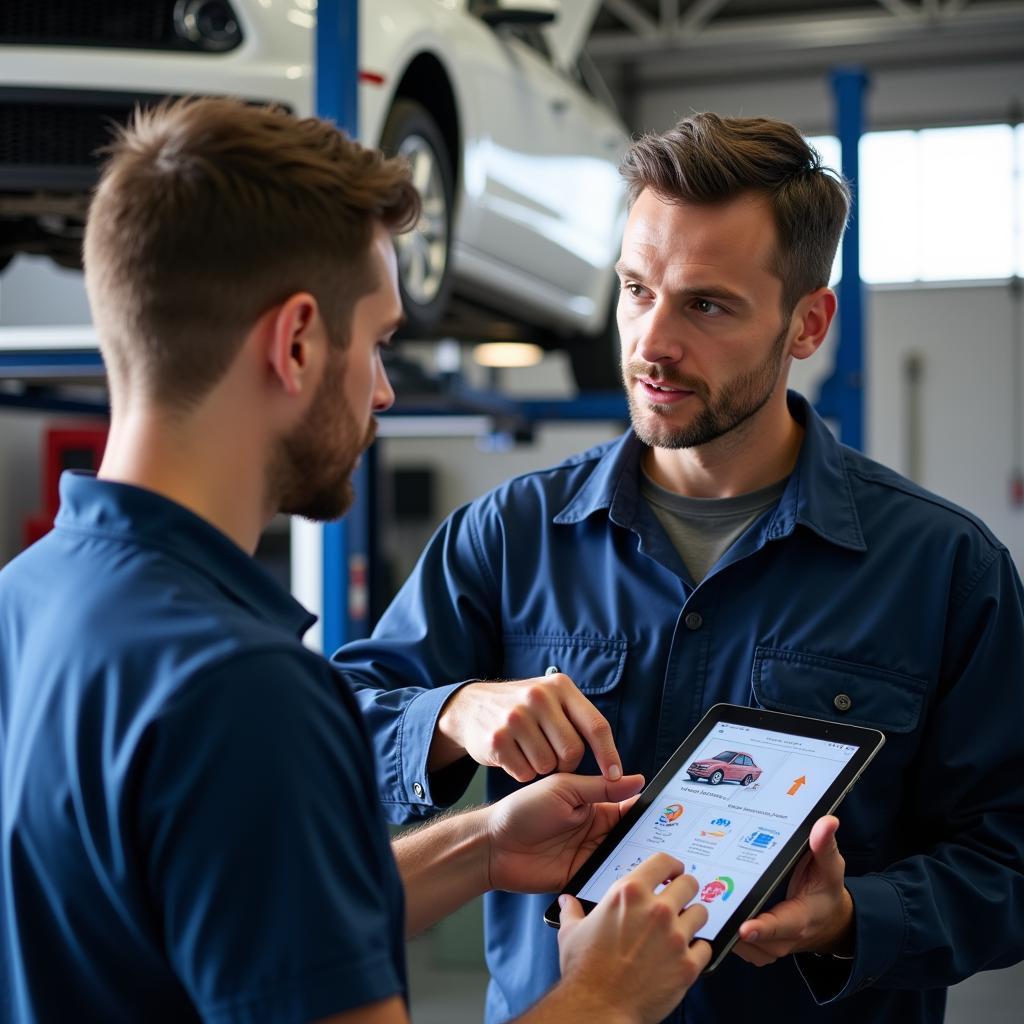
(648, 40)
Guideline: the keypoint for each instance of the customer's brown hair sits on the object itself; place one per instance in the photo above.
(211, 211)
(707, 159)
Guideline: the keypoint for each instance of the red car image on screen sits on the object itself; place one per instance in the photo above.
(728, 766)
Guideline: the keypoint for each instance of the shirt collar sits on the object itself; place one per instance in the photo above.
(142, 517)
(818, 494)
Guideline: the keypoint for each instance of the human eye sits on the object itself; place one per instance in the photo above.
(708, 308)
(637, 291)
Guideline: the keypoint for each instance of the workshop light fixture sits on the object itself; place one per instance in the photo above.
(507, 354)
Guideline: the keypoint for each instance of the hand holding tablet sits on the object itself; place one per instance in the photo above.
(817, 914)
(735, 804)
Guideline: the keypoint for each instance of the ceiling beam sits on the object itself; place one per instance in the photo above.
(668, 11)
(633, 17)
(699, 15)
(1000, 24)
(899, 9)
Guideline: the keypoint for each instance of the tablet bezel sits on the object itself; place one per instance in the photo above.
(867, 741)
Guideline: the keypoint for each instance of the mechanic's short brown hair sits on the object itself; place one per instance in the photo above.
(707, 159)
(211, 211)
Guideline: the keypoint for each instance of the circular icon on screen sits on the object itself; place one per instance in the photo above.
(671, 814)
(721, 887)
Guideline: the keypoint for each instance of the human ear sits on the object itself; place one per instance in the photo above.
(293, 342)
(813, 315)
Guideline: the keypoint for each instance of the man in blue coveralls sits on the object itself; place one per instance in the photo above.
(728, 549)
(189, 828)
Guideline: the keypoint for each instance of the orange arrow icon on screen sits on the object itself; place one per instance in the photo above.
(797, 783)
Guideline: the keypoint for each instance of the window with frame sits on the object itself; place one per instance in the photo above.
(938, 204)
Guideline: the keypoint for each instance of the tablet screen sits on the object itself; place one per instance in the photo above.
(729, 812)
(735, 804)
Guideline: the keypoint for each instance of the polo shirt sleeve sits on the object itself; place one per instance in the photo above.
(956, 906)
(267, 861)
(440, 632)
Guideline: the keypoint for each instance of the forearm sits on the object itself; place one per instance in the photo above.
(443, 865)
(567, 1001)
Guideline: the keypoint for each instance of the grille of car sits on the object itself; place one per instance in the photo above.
(52, 144)
(203, 25)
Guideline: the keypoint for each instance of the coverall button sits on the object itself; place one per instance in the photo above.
(842, 702)
(552, 670)
(694, 620)
(418, 790)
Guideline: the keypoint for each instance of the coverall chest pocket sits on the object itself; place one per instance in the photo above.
(846, 691)
(594, 664)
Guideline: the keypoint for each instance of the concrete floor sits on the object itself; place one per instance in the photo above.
(446, 995)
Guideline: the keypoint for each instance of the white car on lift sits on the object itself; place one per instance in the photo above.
(512, 140)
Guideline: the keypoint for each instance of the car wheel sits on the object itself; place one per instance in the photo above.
(747, 780)
(424, 265)
(716, 777)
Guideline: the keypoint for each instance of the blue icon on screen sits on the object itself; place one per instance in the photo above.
(761, 839)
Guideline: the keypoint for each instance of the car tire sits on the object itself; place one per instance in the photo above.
(424, 253)
(747, 780)
(716, 777)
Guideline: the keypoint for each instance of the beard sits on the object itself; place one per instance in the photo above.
(734, 403)
(311, 472)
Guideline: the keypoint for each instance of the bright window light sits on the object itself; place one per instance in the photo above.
(831, 156)
(890, 207)
(1019, 200)
(966, 224)
(942, 204)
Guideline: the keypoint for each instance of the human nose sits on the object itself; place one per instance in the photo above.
(659, 336)
(383, 393)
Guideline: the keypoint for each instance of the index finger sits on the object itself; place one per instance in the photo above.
(658, 868)
(594, 728)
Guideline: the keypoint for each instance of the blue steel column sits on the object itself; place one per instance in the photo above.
(842, 396)
(345, 543)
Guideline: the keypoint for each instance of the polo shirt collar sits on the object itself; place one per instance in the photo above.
(103, 508)
(818, 494)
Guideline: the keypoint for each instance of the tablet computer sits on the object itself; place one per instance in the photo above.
(735, 803)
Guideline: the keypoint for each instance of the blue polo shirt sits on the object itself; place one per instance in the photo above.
(188, 831)
(858, 597)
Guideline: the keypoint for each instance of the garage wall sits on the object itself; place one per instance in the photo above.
(962, 336)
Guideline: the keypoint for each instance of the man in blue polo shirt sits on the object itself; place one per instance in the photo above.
(727, 548)
(189, 829)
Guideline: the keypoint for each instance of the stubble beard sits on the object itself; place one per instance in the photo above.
(736, 402)
(311, 473)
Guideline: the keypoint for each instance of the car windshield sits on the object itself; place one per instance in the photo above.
(725, 755)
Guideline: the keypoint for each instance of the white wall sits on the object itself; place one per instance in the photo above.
(964, 335)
